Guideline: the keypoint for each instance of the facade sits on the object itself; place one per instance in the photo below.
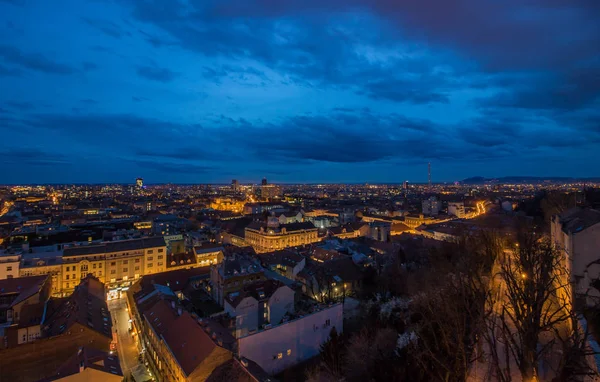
(116, 263)
(456, 209)
(576, 233)
(259, 208)
(264, 238)
(232, 275)
(259, 305)
(9, 265)
(18, 292)
(431, 206)
(269, 191)
(292, 342)
(208, 254)
(290, 217)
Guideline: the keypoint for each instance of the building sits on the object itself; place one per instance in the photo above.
(209, 254)
(294, 341)
(285, 262)
(264, 182)
(269, 191)
(235, 185)
(15, 293)
(265, 238)
(89, 364)
(177, 346)
(139, 182)
(82, 319)
(456, 209)
(260, 207)
(576, 232)
(289, 217)
(9, 265)
(116, 263)
(431, 206)
(236, 270)
(258, 305)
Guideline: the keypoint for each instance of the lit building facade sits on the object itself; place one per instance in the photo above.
(116, 264)
(264, 238)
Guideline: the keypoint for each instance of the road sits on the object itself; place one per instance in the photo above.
(127, 343)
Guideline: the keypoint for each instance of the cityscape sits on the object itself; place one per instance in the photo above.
(320, 191)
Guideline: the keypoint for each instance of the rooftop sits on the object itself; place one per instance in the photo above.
(89, 358)
(115, 246)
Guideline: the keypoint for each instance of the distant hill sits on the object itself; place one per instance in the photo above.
(526, 179)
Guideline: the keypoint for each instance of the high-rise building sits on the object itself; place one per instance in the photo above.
(264, 181)
(431, 206)
(235, 185)
(139, 182)
(405, 185)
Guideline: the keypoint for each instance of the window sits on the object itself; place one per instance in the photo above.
(279, 355)
(160, 264)
(160, 257)
(150, 251)
(137, 260)
(100, 265)
(67, 277)
(289, 352)
(113, 263)
(327, 322)
(137, 268)
(124, 269)
(99, 273)
(112, 272)
(150, 258)
(94, 266)
(8, 269)
(113, 280)
(124, 261)
(67, 269)
(67, 285)
(84, 268)
(73, 276)
(160, 250)
(149, 265)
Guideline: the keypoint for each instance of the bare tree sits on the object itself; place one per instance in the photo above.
(530, 311)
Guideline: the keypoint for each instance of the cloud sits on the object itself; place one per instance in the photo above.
(172, 168)
(139, 99)
(89, 101)
(155, 73)
(35, 62)
(23, 106)
(107, 27)
(9, 72)
(31, 156)
(87, 66)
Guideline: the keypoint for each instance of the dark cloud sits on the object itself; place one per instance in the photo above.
(33, 61)
(155, 73)
(173, 168)
(89, 66)
(154, 40)
(108, 27)
(23, 106)
(31, 156)
(9, 72)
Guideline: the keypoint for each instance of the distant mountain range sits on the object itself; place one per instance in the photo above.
(526, 179)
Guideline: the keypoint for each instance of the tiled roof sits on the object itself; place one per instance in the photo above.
(260, 290)
(86, 306)
(89, 358)
(115, 246)
(578, 219)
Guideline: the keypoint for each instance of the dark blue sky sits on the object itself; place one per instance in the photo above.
(297, 90)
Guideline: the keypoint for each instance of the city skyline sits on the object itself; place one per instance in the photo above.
(298, 92)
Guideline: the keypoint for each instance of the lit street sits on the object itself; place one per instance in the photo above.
(127, 343)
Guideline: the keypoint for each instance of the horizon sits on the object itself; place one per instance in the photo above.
(199, 92)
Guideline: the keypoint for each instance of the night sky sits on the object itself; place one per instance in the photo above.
(297, 90)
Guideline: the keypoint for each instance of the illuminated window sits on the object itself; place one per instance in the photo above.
(279, 355)
(289, 352)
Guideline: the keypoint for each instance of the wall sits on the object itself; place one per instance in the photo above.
(9, 267)
(300, 339)
(280, 303)
(586, 249)
(246, 316)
